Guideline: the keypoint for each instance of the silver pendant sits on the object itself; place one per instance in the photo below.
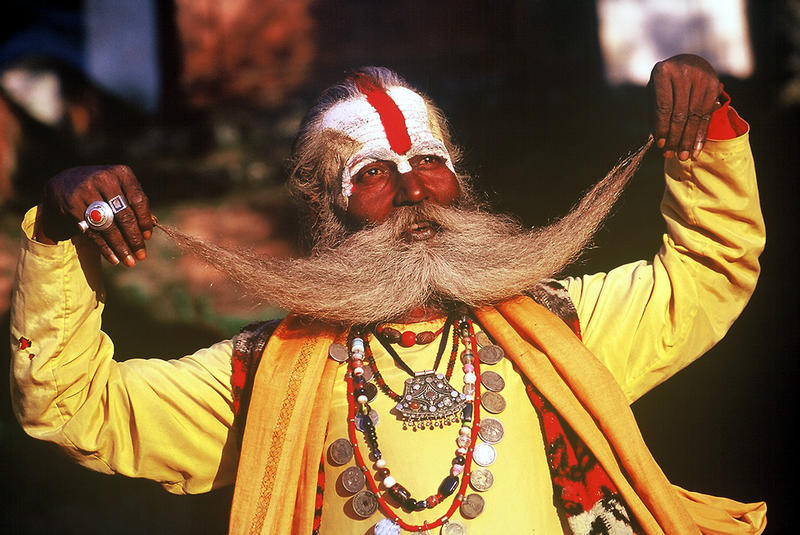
(453, 527)
(429, 399)
(387, 527)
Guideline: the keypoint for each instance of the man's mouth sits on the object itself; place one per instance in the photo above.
(422, 230)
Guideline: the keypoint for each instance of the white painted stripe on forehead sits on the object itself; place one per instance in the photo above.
(357, 119)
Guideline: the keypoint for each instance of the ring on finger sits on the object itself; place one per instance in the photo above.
(117, 204)
(99, 215)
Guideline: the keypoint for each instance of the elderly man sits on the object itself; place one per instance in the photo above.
(431, 374)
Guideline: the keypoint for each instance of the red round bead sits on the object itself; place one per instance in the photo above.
(95, 216)
(408, 339)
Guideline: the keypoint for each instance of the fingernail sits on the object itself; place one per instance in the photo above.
(146, 234)
(684, 155)
(660, 142)
(669, 154)
(114, 260)
(697, 149)
(129, 261)
(141, 254)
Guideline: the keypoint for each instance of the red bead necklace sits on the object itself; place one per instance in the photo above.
(359, 405)
(381, 382)
(406, 338)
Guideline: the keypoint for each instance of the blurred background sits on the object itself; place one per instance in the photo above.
(202, 99)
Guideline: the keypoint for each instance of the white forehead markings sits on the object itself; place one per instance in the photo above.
(357, 119)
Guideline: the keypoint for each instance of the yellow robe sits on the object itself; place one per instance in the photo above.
(170, 421)
(277, 477)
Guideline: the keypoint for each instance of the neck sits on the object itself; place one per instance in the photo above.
(422, 313)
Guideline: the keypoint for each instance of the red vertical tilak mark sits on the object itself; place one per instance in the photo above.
(394, 124)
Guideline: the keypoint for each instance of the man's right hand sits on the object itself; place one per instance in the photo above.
(69, 193)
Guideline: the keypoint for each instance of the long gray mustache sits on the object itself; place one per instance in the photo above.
(379, 274)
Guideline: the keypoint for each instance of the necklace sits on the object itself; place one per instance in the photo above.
(406, 338)
(428, 399)
(400, 363)
(358, 405)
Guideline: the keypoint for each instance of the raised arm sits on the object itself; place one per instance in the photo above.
(647, 320)
(164, 420)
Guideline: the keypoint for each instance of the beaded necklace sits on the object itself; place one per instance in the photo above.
(359, 409)
(406, 338)
(384, 387)
(396, 358)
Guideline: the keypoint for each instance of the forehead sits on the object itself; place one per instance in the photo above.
(359, 120)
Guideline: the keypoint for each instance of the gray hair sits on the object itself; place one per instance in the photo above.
(318, 157)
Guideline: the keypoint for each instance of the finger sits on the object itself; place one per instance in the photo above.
(680, 112)
(696, 116)
(103, 247)
(662, 110)
(119, 245)
(128, 228)
(137, 200)
(124, 235)
(110, 241)
(710, 104)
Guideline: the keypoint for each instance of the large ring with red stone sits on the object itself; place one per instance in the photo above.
(99, 215)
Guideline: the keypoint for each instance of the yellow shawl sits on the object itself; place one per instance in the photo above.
(277, 476)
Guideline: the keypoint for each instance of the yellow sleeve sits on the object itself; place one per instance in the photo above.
(163, 420)
(648, 320)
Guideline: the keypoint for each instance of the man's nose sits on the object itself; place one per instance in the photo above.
(410, 189)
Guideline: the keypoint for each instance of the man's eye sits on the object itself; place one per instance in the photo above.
(371, 172)
(430, 160)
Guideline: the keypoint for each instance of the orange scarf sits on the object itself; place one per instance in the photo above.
(277, 475)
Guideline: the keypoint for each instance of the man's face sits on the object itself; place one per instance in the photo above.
(379, 188)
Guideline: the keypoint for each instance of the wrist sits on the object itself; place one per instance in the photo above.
(50, 230)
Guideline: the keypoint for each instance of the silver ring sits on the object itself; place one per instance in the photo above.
(117, 204)
(99, 215)
(83, 225)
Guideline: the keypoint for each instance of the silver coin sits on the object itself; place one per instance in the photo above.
(481, 479)
(493, 402)
(368, 372)
(491, 354)
(387, 527)
(353, 479)
(371, 391)
(484, 454)
(453, 527)
(492, 381)
(482, 338)
(338, 352)
(491, 430)
(472, 506)
(340, 451)
(365, 503)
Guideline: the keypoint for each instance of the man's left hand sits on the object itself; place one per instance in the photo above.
(684, 90)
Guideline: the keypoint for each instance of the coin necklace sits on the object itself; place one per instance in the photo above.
(358, 404)
(491, 430)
